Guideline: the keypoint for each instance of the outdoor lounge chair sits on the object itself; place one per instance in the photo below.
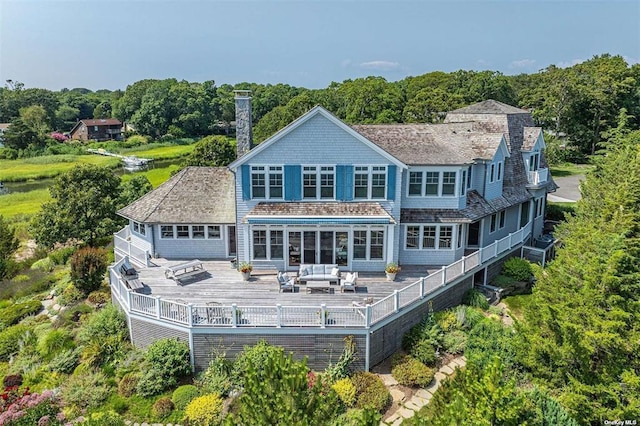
(350, 282)
(285, 282)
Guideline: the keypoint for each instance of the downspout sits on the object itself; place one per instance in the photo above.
(153, 241)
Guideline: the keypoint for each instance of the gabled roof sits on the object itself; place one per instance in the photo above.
(97, 122)
(489, 107)
(300, 121)
(194, 195)
(530, 137)
(434, 144)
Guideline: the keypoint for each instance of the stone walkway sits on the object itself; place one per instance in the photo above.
(422, 397)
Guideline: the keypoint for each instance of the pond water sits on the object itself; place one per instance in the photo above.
(33, 185)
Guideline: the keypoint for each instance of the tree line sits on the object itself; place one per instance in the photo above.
(579, 104)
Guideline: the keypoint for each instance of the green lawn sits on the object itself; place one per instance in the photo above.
(155, 176)
(162, 153)
(23, 203)
(569, 169)
(516, 304)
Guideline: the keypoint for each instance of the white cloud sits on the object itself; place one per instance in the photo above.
(522, 63)
(567, 64)
(345, 63)
(380, 65)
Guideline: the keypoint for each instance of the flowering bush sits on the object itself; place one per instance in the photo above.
(59, 136)
(183, 395)
(31, 409)
(245, 267)
(346, 391)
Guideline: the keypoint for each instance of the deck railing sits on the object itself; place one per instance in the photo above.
(124, 247)
(323, 316)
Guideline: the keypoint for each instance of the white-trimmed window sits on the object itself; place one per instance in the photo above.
(213, 232)
(469, 178)
(497, 221)
(448, 183)
(429, 237)
(534, 161)
(182, 231)
(432, 183)
(139, 228)
(370, 182)
(197, 232)
(267, 244)
(258, 182)
(463, 183)
(459, 236)
(492, 172)
(260, 244)
(275, 182)
(539, 207)
(318, 182)
(415, 183)
(166, 232)
(499, 177)
(267, 182)
(276, 244)
(368, 245)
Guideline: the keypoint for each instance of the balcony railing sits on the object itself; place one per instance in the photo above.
(196, 315)
(536, 177)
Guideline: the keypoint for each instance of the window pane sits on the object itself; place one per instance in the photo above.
(413, 233)
(258, 185)
(326, 184)
(463, 182)
(277, 245)
(446, 234)
(197, 231)
(259, 244)
(275, 183)
(310, 184)
(431, 186)
(342, 248)
(415, 183)
(493, 223)
(378, 184)
(377, 245)
(499, 171)
(166, 231)
(359, 244)
(361, 185)
(213, 231)
(183, 231)
(429, 237)
(448, 183)
(501, 215)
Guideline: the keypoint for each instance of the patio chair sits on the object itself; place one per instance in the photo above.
(285, 282)
(350, 282)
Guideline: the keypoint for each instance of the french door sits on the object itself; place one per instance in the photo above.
(325, 247)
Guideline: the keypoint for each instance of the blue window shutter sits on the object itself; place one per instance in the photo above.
(246, 182)
(340, 182)
(391, 182)
(348, 183)
(292, 183)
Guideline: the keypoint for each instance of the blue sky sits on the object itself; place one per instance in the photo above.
(106, 44)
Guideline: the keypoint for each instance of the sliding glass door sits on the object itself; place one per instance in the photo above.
(325, 247)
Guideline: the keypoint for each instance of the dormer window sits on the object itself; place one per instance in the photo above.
(534, 161)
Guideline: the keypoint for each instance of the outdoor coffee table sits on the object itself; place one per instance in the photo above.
(319, 287)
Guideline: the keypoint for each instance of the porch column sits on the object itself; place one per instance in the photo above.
(390, 244)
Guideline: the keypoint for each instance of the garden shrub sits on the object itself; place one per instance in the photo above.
(447, 320)
(371, 392)
(54, 341)
(424, 351)
(518, 269)
(88, 267)
(44, 265)
(346, 391)
(12, 380)
(170, 358)
(342, 368)
(217, 377)
(454, 342)
(256, 355)
(86, 390)
(103, 418)
(408, 371)
(162, 407)
(10, 340)
(503, 281)
(98, 297)
(14, 313)
(358, 417)
(151, 383)
(64, 362)
(559, 212)
(70, 295)
(105, 337)
(491, 337)
(62, 255)
(205, 410)
(127, 384)
(476, 299)
(33, 409)
(468, 316)
(183, 395)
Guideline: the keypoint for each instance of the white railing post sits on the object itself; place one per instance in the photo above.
(510, 240)
(421, 287)
(444, 275)
(234, 318)
(129, 299)
(158, 300)
(278, 315)
(367, 316)
(396, 300)
(323, 313)
(190, 314)
(464, 269)
(495, 249)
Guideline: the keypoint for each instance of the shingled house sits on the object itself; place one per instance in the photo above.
(321, 191)
(102, 129)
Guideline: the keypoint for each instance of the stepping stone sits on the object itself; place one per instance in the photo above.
(424, 394)
(388, 380)
(420, 401)
(439, 376)
(406, 412)
(397, 395)
(434, 386)
(397, 422)
(462, 361)
(395, 416)
(411, 404)
(446, 370)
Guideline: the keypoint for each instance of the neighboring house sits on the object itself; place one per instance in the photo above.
(3, 129)
(102, 129)
(321, 191)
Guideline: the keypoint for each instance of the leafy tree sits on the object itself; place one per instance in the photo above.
(133, 189)
(19, 136)
(83, 207)
(88, 266)
(212, 151)
(429, 105)
(102, 110)
(8, 245)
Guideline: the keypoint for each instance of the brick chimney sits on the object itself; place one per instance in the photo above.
(244, 135)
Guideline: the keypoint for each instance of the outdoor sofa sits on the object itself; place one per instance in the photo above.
(319, 272)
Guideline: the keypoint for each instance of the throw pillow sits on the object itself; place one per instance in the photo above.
(304, 272)
(335, 272)
(349, 277)
(285, 277)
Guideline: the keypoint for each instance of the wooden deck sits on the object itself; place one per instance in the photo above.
(224, 285)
